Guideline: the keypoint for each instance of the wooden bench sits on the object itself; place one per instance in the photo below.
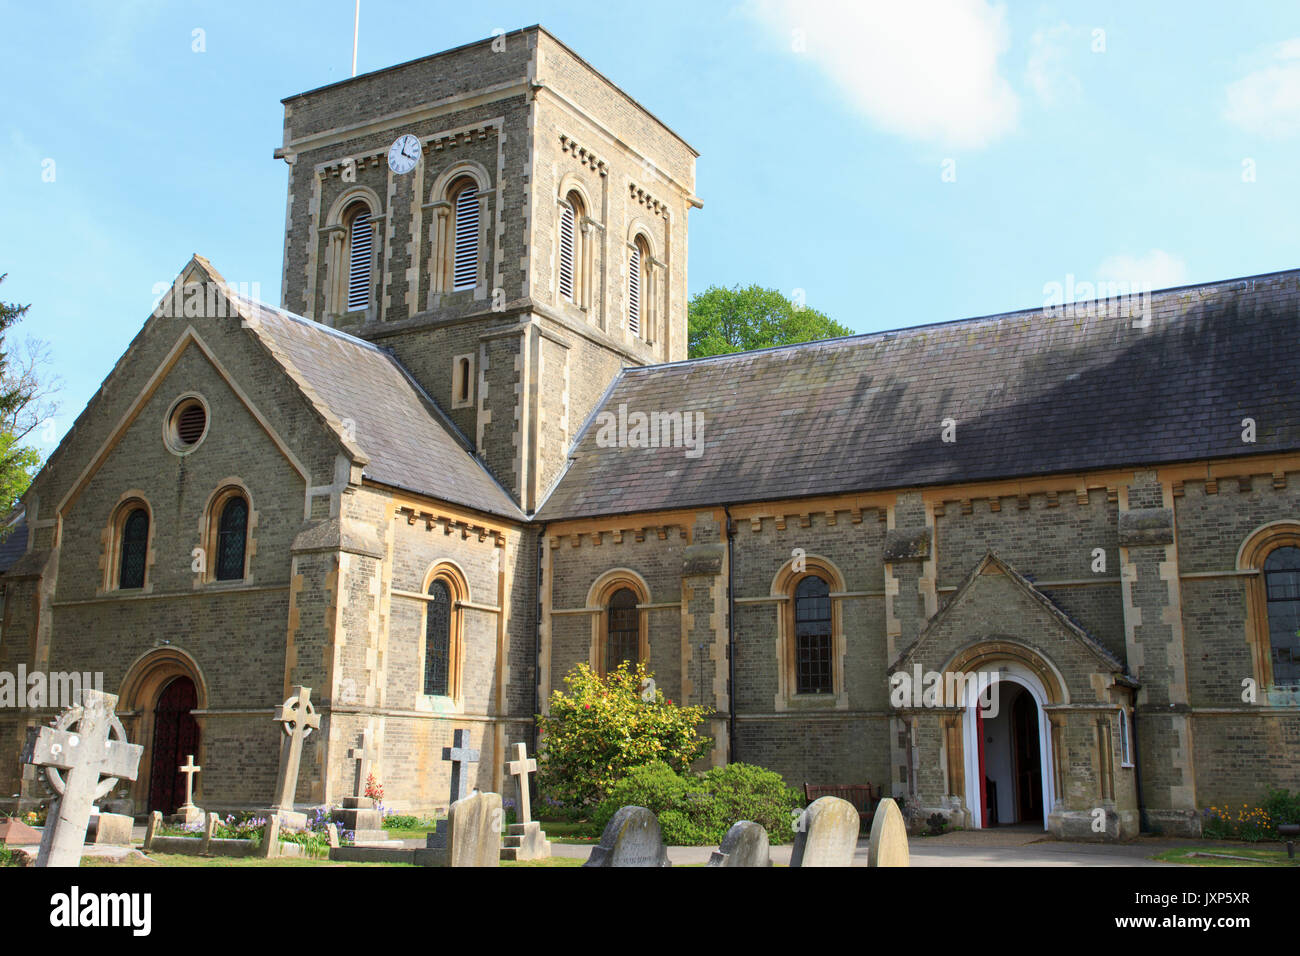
(864, 797)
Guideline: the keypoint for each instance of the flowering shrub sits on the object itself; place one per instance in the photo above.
(698, 809)
(374, 789)
(602, 728)
(1250, 823)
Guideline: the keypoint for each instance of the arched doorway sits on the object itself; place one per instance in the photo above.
(1008, 748)
(175, 736)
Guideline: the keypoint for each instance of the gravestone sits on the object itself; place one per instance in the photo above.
(270, 846)
(16, 833)
(474, 831)
(525, 839)
(631, 838)
(209, 832)
(746, 844)
(332, 831)
(826, 834)
(111, 829)
(94, 755)
(461, 756)
(361, 754)
(297, 718)
(364, 820)
(151, 830)
(888, 837)
(187, 812)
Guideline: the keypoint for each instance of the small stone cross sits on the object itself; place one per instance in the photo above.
(460, 754)
(362, 756)
(297, 718)
(190, 769)
(97, 749)
(520, 768)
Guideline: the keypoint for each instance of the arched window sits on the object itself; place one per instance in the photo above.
(135, 549)
(568, 250)
(462, 379)
(814, 671)
(623, 636)
(231, 539)
(638, 285)
(1125, 743)
(437, 639)
(359, 246)
(464, 258)
(1282, 591)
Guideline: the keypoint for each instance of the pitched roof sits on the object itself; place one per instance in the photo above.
(1032, 393)
(365, 395)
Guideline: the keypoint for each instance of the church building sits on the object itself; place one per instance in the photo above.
(1040, 567)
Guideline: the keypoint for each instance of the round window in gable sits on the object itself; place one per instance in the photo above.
(187, 423)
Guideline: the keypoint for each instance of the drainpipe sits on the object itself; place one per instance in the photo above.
(537, 642)
(731, 636)
(1144, 825)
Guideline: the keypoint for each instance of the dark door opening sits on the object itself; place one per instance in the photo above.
(1026, 759)
(175, 736)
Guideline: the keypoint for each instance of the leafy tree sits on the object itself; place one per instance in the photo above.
(24, 404)
(602, 727)
(736, 320)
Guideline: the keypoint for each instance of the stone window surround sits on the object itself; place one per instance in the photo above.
(457, 400)
(783, 587)
(652, 269)
(209, 530)
(338, 254)
(169, 440)
(451, 574)
(584, 245)
(110, 561)
(1250, 558)
(598, 597)
(442, 246)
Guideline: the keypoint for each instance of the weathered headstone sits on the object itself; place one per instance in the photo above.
(332, 831)
(474, 830)
(297, 718)
(525, 839)
(151, 830)
(631, 838)
(94, 754)
(826, 834)
(746, 844)
(461, 756)
(112, 829)
(888, 837)
(270, 847)
(188, 812)
(209, 832)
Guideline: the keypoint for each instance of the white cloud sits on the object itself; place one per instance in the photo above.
(1047, 72)
(1155, 270)
(924, 69)
(1266, 102)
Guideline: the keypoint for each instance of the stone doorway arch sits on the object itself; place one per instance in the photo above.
(162, 699)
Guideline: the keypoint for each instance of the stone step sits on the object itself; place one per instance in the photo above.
(358, 803)
(356, 819)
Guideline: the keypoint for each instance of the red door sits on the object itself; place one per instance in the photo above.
(175, 736)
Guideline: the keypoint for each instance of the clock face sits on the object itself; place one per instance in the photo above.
(404, 154)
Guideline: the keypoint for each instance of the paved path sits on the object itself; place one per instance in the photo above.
(939, 851)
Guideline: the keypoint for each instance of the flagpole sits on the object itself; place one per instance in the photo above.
(356, 26)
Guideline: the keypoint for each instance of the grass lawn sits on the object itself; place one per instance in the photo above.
(1224, 854)
(582, 834)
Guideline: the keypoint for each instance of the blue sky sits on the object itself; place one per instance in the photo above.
(899, 163)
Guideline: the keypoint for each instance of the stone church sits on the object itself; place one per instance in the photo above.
(468, 452)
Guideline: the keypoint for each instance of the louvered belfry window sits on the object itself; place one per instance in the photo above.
(232, 535)
(190, 423)
(437, 639)
(360, 241)
(135, 546)
(812, 632)
(634, 291)
(567, 231)
(465, 255)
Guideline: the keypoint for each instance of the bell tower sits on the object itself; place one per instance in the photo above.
(507, 222)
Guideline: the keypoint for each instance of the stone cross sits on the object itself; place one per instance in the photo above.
(189, 769)
(297, 718)
(362, 756)
(460, 754)
(94, 755)
(520, 768)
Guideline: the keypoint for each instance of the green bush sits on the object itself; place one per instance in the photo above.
(602, 728)
(1282, 806)
(698, 809)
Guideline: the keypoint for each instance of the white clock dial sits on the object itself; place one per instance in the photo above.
(404, 154)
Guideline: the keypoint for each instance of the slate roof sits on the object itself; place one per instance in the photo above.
(408, 440)
(1032, 394)
(14, 544)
